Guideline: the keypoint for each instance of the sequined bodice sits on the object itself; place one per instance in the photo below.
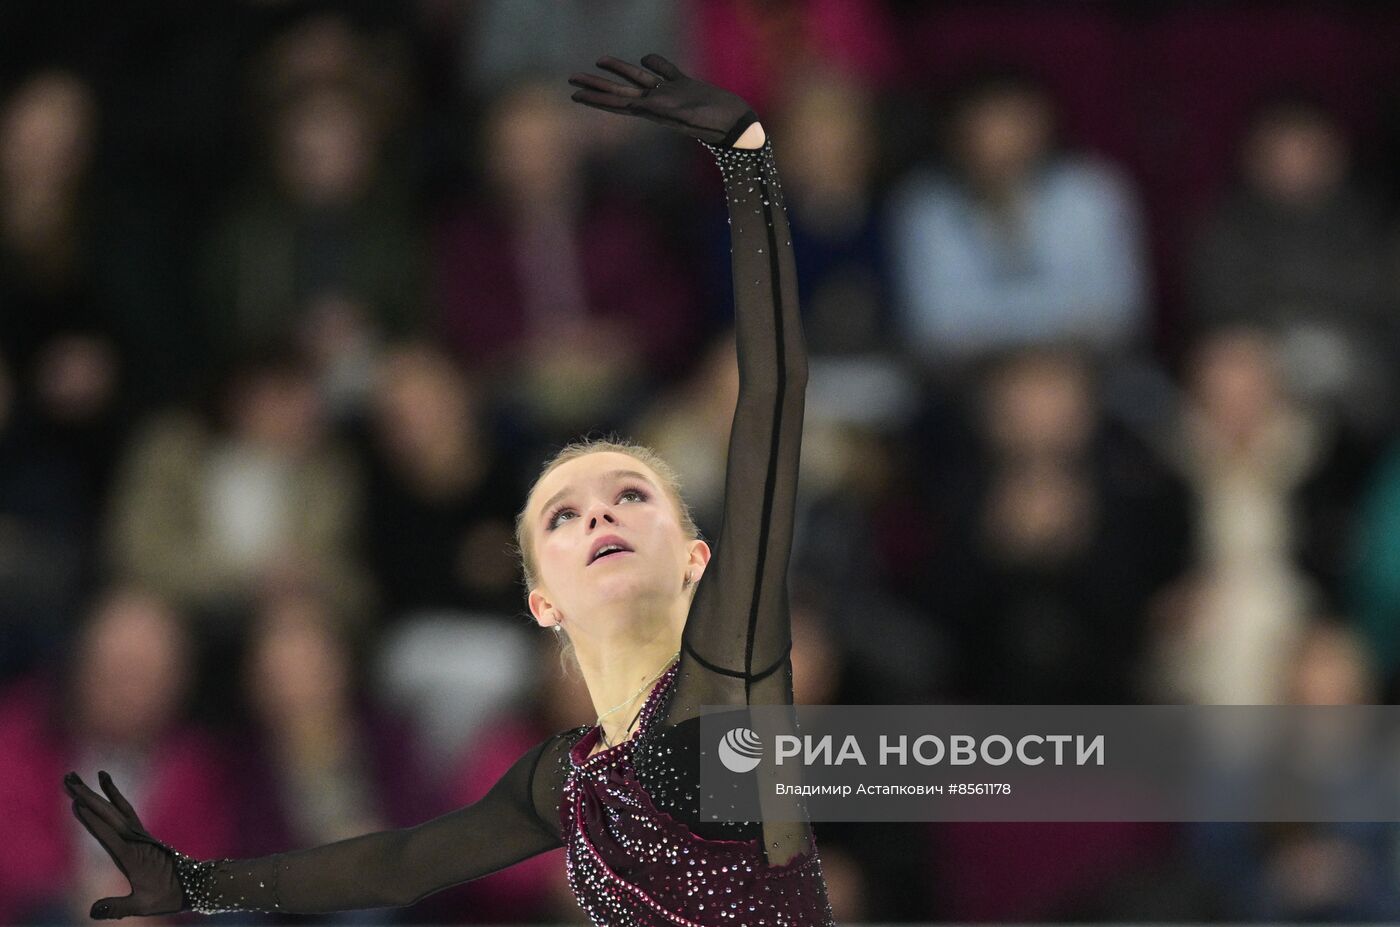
(629, 862)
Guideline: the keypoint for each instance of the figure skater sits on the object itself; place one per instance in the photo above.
(613, 563)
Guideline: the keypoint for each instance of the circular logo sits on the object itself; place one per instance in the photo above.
(740, 750)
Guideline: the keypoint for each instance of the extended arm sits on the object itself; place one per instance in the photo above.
(386, 869)
(734, 649)
(738, 625)
(516, 819)
(737, 635)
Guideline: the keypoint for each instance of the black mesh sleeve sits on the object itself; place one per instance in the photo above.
(736, 639)
(518, 818)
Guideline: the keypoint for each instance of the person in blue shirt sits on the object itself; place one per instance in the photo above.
(1015, 243)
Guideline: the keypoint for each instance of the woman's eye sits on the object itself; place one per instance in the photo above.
(554, 519)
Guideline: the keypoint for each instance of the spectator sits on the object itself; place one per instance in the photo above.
(117, 702)
(1048, 593)
(1303, 871)
(441, 495)
(213, 511)
(56, 336)
(1016, 243)
(574, 305)
(504, 42)
(1297, 248)
(320, 762)
(1246, 447)
(321, 245)
(830, 143)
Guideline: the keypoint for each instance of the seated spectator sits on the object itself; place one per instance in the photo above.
(1246, 447)
(501, 42)
(319, 760)
(214, 510)
(441, 495)
(1015, 242)
(1303, 871)
(1299, 249)
(117, 702)
(1048, 591)
(58, 337)
(575, 306)
(321, 245)
(829, 138)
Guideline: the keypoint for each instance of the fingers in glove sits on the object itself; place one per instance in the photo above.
(603, 85)
(111, 908)
(607, 101)
(631, 72)
(661, 66)
(96, 803)
(117, 798)
(104, 834)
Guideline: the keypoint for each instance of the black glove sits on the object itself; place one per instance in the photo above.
(667, 96)
(148, 864)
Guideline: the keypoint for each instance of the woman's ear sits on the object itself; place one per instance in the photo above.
(546, 614)
(699, 558)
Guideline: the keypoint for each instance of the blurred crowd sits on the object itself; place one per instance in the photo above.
(1103, 308)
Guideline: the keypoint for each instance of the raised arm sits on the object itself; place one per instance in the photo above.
(515, 820)
(737, 636)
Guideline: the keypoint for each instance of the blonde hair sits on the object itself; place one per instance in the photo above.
(524, 540)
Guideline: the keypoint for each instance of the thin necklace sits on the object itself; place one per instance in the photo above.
(602, 735)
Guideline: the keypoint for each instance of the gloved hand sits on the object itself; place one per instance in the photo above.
(663, 94)
(148, 864)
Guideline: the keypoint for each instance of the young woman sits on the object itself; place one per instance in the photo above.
(613, 563)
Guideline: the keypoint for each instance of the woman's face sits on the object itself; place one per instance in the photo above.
(580, 503)
(298, 667)
(133, 667)
(46, 131)
(1002, 136)
(532, 138)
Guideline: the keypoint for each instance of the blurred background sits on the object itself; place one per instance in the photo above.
(296, 298)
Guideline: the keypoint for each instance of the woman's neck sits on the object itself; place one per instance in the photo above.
(621, 678)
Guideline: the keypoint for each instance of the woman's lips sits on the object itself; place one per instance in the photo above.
(616, 553)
